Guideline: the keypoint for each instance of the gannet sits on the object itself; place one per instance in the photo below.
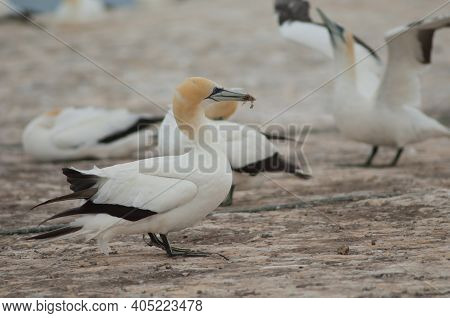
(157, 195)
(10, 11)
(391, 118)
(81, 133)
(79, 11)
(295, 24)
(250, 151)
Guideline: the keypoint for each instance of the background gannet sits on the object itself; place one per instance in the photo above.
(76, 11)
(392, 117)
(250, 151)
(80, 133)
(156, 195)
(296, 24)
(10, 11)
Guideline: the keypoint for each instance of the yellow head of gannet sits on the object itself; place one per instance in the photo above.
(221, 110)
(194, 93)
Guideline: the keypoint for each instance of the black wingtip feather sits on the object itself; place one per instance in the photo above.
(56, 233)
(78, 180)
(84, 194)
(118, 211)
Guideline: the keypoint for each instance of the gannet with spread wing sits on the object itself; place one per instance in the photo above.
(392, 117)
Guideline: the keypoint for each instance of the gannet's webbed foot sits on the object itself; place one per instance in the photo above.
(175, 251)
(229, 199)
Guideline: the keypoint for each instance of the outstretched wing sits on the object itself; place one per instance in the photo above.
(410, 48)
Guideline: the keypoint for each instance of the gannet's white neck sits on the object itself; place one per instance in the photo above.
(344, 60)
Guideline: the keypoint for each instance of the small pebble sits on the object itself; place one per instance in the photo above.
(343, 250)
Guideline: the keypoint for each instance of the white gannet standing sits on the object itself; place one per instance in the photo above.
(79, 11)
(392, 117)
(249, 151)
(81, 133)
(157, 195)
(295, 24)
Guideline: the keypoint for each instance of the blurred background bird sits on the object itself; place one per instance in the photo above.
(392, 117)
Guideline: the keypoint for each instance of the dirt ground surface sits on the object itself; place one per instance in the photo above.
(347, 232)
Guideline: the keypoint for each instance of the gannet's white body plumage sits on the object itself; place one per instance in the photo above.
(89, 132)
(155, 195)
(295, 24)
(237, 138)
(392, 117)
(78, 11)
(249, 151)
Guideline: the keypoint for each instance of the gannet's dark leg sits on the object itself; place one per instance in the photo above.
(154, 241)
(397, 157)
(174, 251)
(372, 156)
(368, 162)
(229, 199)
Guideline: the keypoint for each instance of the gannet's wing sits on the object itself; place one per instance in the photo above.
(250, 151)
(410, 48)
(123, 191)
(78, 127)
(245, 145)
(296, 24)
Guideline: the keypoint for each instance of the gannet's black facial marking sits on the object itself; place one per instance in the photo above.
(216, 90)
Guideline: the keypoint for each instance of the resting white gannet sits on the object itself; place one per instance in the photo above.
(391, 118)
(79, 11)
(87, 133)
(156, 195)
(295, 24)
(250, 152)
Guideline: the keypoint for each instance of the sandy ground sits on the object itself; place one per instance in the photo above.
(395, 222)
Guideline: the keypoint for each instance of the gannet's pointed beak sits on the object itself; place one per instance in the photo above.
(222, 95)
(334, 29)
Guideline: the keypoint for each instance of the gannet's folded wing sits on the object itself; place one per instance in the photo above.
(246, 146)
(146, 192)
(410, 48)
(130, 191)
(77, 127)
